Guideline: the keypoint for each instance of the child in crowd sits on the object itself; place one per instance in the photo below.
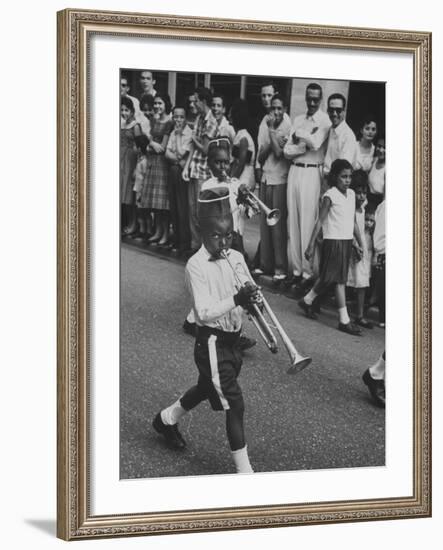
(377, 174)
(337, 219)
(217, 304)
(129, 129)
(360, 267)
(365, 146)
(147, 108)
(144, 221)
(177, 151)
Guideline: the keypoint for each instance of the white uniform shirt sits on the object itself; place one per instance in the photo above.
(339, 223)
(313, 133)
(225, 129)
(212, 286)
(341, 145)
(233, 186)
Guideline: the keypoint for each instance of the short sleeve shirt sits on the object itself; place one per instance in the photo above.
(339, 223)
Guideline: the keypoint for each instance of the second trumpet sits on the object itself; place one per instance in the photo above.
(249, 199)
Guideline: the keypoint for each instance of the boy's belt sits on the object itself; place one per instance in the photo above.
(229, 338)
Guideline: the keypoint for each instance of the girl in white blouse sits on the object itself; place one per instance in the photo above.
(338, 222)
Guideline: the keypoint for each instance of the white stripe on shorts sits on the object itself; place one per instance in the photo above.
(214, 371)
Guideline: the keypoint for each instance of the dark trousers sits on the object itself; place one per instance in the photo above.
(274, 240)
(178, 207)
(380, 287)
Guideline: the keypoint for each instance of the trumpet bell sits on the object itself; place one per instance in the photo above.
(299, 364)
(273, 217)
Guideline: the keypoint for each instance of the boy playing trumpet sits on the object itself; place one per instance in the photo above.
(218, 307)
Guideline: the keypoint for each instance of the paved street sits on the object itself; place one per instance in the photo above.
(321, 418)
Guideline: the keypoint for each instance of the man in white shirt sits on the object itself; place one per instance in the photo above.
(341, 141)
(306, 147)
(218, 109)
(147, 83)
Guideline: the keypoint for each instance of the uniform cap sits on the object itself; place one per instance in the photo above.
(214, 203)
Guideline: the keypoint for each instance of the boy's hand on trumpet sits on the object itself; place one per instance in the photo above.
(247, 295)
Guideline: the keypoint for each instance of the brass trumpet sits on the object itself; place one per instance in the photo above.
(272, 215)
(255, 204)
(298, 362)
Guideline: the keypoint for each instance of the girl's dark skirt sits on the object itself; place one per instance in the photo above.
(334, 261)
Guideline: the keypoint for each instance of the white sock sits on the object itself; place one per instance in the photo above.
(241, 461)
(191, 317)
(172, 414)
(343, 315)
(377, 370)
(310, 297)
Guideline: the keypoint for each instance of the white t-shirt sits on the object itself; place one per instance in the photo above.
(339, 223)
(233, 186)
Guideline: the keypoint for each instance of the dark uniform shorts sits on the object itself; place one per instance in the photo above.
(219, 361)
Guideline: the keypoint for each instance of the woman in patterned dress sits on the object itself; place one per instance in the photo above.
(129, 129)
(155, 192)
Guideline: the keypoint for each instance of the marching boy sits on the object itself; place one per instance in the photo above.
(218, 305)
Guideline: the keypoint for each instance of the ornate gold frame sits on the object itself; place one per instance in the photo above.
(74, 29)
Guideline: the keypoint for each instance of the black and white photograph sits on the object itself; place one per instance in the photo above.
(252, 273)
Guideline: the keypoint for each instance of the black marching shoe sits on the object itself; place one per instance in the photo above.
(349, 328)
(376, 388)
(173, 437)
(308, 309)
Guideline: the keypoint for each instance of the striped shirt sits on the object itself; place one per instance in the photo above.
(205, 126)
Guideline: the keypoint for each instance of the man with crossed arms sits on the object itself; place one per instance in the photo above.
(306, 148)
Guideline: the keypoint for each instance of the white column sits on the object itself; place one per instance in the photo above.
(172, 86)
(243, 87)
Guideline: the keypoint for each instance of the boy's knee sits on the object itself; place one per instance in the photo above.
(237, 407)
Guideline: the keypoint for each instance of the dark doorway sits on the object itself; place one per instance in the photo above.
(366, 98)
